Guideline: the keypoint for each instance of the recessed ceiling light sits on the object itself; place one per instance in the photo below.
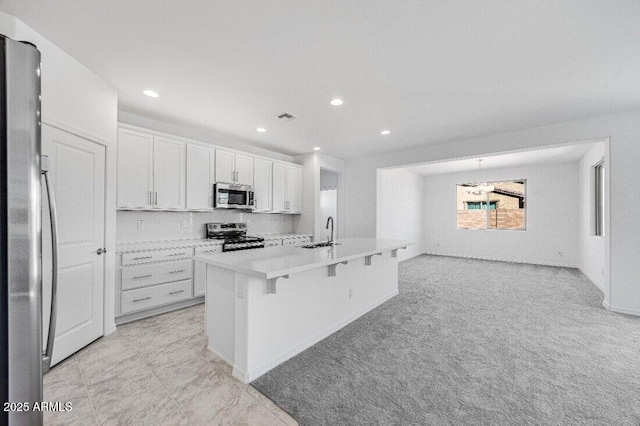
(385, 132)
(316, 148)
(261, 129)
(336, 102)
(151, 93)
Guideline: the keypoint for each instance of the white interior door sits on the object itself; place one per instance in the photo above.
(78, 179)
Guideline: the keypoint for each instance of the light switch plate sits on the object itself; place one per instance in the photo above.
(141, 225)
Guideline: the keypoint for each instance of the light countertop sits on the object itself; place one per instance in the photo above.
(273, 262)
(192, 242)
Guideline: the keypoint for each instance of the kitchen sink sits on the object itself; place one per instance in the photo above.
(320, 244)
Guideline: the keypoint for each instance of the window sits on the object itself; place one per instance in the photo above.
(491, 205)
(598, 190)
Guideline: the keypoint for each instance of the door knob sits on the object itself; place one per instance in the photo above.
(101, 250)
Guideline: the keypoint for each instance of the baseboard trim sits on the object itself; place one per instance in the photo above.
(558, 265)
(596, 283)
(219, 355)
(618, 310)
(247, 377)
(159, 310)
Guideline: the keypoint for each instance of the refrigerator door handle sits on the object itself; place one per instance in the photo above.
(46, 358)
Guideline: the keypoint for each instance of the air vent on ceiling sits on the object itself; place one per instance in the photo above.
(286, 116)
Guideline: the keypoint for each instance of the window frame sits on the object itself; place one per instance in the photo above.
(488, 223)
(598, 206)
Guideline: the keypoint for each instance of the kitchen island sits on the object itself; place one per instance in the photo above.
(264, 306)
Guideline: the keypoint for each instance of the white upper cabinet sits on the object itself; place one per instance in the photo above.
(244, 169)
(157, 171)
(234, 167)
(225, 166)
(200, 177)
(294, 176)
(135, 169)
(169, 167)
(286, 188)
(279, 189)
(262, 185)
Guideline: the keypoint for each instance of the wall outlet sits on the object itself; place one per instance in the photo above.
(437, 244)
(140, 225)
(183, 224)
(350, 293)
(560, 254)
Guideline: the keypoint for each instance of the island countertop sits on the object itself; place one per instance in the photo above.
(274, 262)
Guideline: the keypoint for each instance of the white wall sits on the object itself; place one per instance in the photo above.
(400, 209)
(162, 226)
(78, 101)
(591, 249)
(622, 226)
(551, 211)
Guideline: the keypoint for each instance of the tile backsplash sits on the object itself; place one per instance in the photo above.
(159, 226)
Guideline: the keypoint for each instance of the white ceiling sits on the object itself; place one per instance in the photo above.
(557, 155)
(431, 71)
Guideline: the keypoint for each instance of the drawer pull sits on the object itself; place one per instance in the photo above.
(143, 257)
(177, 254)
(142, 276)
(177, 271)
(140, 300)
(176, 292)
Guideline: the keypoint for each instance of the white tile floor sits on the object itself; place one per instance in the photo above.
(156, 371)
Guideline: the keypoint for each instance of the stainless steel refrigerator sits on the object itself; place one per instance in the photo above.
(23, 181)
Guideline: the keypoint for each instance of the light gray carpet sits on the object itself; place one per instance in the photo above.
(471, 342)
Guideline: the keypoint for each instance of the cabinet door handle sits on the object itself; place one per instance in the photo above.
(176, 292)
(140, 300)
(150, 198)
(143, 257)
(177, 271)
(156, 203)
(141, 277)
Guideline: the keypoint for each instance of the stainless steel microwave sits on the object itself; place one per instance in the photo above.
(232, 196)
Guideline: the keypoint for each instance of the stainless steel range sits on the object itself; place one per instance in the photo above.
(234, 236)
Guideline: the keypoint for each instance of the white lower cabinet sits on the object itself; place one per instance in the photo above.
(200, 270)
(153, 280)
(158, 295)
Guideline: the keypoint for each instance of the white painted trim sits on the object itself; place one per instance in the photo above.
(219, 355)
(75, 131)
(135, 316)
(620, 310)
(600, 287)
(247, 377)
(559, 265)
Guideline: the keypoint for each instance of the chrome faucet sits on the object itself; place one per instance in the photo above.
(330, 219)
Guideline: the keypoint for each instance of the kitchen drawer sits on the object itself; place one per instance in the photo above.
(156, 256)
(150, 297)
(209, 249)
(143, 276)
